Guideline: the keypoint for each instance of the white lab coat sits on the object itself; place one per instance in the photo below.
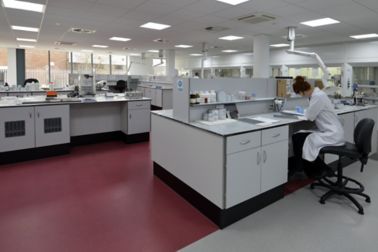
(330, 131)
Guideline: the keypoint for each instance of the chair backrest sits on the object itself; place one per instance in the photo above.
(121, 86)
(30, 80)
(362, 136)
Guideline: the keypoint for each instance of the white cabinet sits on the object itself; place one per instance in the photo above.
(52, 125)
(16, 128)
(255, 163)
(138, 119)
(29, 127)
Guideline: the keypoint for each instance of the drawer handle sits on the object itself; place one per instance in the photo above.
(277, 135)
(245, 142)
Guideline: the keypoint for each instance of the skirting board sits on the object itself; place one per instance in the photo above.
(221, 217)
(34, 153)
(109, 136)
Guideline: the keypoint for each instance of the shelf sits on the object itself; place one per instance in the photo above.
(232, 102)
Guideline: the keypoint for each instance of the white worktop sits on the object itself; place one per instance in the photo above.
(41, 101)
(157, 85)
(238, 127)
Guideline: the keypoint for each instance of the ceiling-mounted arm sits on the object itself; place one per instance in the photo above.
(291, 38)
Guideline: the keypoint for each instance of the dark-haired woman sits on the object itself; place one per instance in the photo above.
(329, 131)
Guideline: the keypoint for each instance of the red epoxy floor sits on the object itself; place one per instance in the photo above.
(100, 197)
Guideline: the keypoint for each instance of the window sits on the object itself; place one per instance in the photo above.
(365, 75)
(3, 65)
(119, 64)
(82, 63)
(101, 63)
(315, 73)
(159, 67)
(59, 68)
(228, 72)
(36, 65)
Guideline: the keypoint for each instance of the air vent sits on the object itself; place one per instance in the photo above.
(82, 30)
(256, 18)
(216, 28)
(64, 43)
(161, 40)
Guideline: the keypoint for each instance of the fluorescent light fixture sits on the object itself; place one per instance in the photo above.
(24, 28)
(120, 39)
(135, 54)
(154, 51)
(26, 46)
(195, 54)
(320, 22)
(365, 36)
(21, 5)
(229, 51)
(155, 26)
(26, 40)
(86, 51)
(231, 37)
(183, 46)
(233, 2)
(279, 45)
(100, 46)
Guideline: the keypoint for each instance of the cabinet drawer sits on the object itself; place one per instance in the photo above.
(243, 141)
(274, 135)
(139, 104)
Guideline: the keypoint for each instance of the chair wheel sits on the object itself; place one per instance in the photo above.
(361, 212)
(322, 202)
(368, 200)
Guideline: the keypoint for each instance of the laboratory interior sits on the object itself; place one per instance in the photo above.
(188, 125)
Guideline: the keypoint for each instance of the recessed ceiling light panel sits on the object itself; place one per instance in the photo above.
(195, 54)
(155, 26)
(22, 5)
(233, 2)
(26, 46)
(365, 36)
(25, 28)
(119, 39)
(279, 45)
(183, 46)
(320, 22)
(26, 40)
(100, 46)
(229, 51)
(153, 51)
(86, 51)
(231, 37)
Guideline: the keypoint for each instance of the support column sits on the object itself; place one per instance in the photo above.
(16, 66)
(261, 52)
(170, 70)
(347, 79)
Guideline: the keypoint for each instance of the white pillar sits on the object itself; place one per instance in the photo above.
(12, 67)
(261, 54)
(170, 70)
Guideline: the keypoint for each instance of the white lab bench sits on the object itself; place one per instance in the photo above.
(51, 127)
(159, 93)
(231, 170)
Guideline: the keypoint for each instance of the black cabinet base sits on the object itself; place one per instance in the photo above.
(136, 138)
(221, 217)
(96, 138)
(35, 153)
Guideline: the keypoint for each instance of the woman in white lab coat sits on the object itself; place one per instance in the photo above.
(329, 131)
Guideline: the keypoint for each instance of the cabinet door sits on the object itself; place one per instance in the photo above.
(52, 125)
(16, 128)
(158, 97)
(274, 165)
(242, 176)
(138, 121)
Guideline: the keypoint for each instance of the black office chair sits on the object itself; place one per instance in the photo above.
(357, 151)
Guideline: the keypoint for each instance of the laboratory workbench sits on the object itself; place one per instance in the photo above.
(232, 169)
(32, 127)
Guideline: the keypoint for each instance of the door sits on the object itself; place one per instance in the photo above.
(274, 165)
(16, 128)
(138, 121)
(52, 125)
(242, 176)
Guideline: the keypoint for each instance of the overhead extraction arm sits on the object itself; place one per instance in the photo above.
(291, 38)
